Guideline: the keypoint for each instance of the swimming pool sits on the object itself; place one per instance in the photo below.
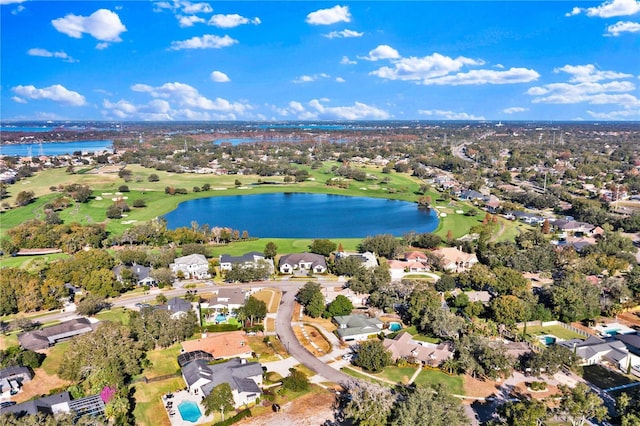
(221, 318)
(189, 411)
(548, 340)
(395, 326)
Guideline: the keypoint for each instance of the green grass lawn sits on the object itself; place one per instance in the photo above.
(149, 410)
(397, 374)
(420, 337)
(54, 358)
(556, 330)
(354, 373)
(604, 378)
(119, 315)
(433, 377)
(9, 339)
(163, 361)
(30, 263)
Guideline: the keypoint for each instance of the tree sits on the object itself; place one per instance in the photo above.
(509, 281)
(153, 177)
(296, 381)
(270, 250)
(372, 356)
(579, 404)
(25, 197)
(445, 283)
(427, 240)
(322, 246)
(509, 310)
(574, 299)
(368, 404)
(315, 307)
(91, 304)
(528, 412)
(385, 245)
(307, 291)
(429, 406)
(341, 305)
(220, 399)
(254, 309)
(114, 211)
(123, 188)
(347, 266)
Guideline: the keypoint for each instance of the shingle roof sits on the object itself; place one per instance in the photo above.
(247, 257)
(296, 258)
(236, 372)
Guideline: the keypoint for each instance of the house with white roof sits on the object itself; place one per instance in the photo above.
(193, 266)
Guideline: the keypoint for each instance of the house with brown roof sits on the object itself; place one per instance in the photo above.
(454, 260)
(404, 347)
(232, 344)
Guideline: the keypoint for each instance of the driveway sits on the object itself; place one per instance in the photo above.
(285, 333)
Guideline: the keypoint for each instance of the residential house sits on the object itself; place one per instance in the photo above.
(416, 256)
(455, 260)
(232, 344)
(404, 347)
(193, 266)
(398, 268)
(367, 258)
(595, 350)
(142, 274)
(471, 195)
(177, 307)
(357, 327)
(92, 405)
(42, 339)
(245, 378)
(251, 259)
(12, 378)
(303, 263)
(572, 227)
(228, 299)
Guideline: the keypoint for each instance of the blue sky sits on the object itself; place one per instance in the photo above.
(303, 60)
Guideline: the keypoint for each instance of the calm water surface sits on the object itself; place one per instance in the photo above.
(54, 148)
(295, 215)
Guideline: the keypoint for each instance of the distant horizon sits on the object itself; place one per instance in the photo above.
(272, 61)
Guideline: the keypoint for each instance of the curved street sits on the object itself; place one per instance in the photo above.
(285, 333)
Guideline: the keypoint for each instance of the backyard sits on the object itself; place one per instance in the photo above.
(603, 377)
(554, 330)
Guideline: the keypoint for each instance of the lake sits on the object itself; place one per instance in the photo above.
(302, 215)
(54, 148)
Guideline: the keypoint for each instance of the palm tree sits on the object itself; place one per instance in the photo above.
(450, 365)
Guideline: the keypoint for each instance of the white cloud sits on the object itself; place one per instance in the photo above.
(340, 80)
(450, 115)
(585, 86)
(609, 9)
(625, 114)
(219, 77)
(207, 41)
(189, 20)
(317, 110)
(56, 93)
(343, 34)
(3, 2)
(514, 110)
(18, 100)
(476, 77)
(589, 73)
(183, 7)
(346, 61)
(310, 78)
(329, 16)
(232, 20)
(382, 52)
(413, 68)
(188, 97)
(46, 54)
(102, 46)
(102, 24)
(18, 9)
(623, 27)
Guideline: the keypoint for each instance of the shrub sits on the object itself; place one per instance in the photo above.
(537, 386)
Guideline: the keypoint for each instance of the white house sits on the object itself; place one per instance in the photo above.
(455, 260)
(357, 327)
(251, 259)
(595, 351)
(194, 266)
(244, 378)
(302, 262)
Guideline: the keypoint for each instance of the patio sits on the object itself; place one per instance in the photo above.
(176, 418)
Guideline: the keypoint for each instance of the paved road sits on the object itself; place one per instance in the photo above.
(295, 349)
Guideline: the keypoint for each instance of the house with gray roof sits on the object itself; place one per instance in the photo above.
(177, 307)
(12, 378)
(228, 298)
(42, 339)
(303, 263)
(357, 327)
(244, 378)
(251, 259)
(142, 274)
(92, 405)
(595, 350)
(193, 266)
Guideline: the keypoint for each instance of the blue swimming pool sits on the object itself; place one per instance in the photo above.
(395, 326)
(548, 340)
(189, 411)
(221, 318)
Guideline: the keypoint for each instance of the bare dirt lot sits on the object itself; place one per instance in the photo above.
(309, 410)
(41, 384)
